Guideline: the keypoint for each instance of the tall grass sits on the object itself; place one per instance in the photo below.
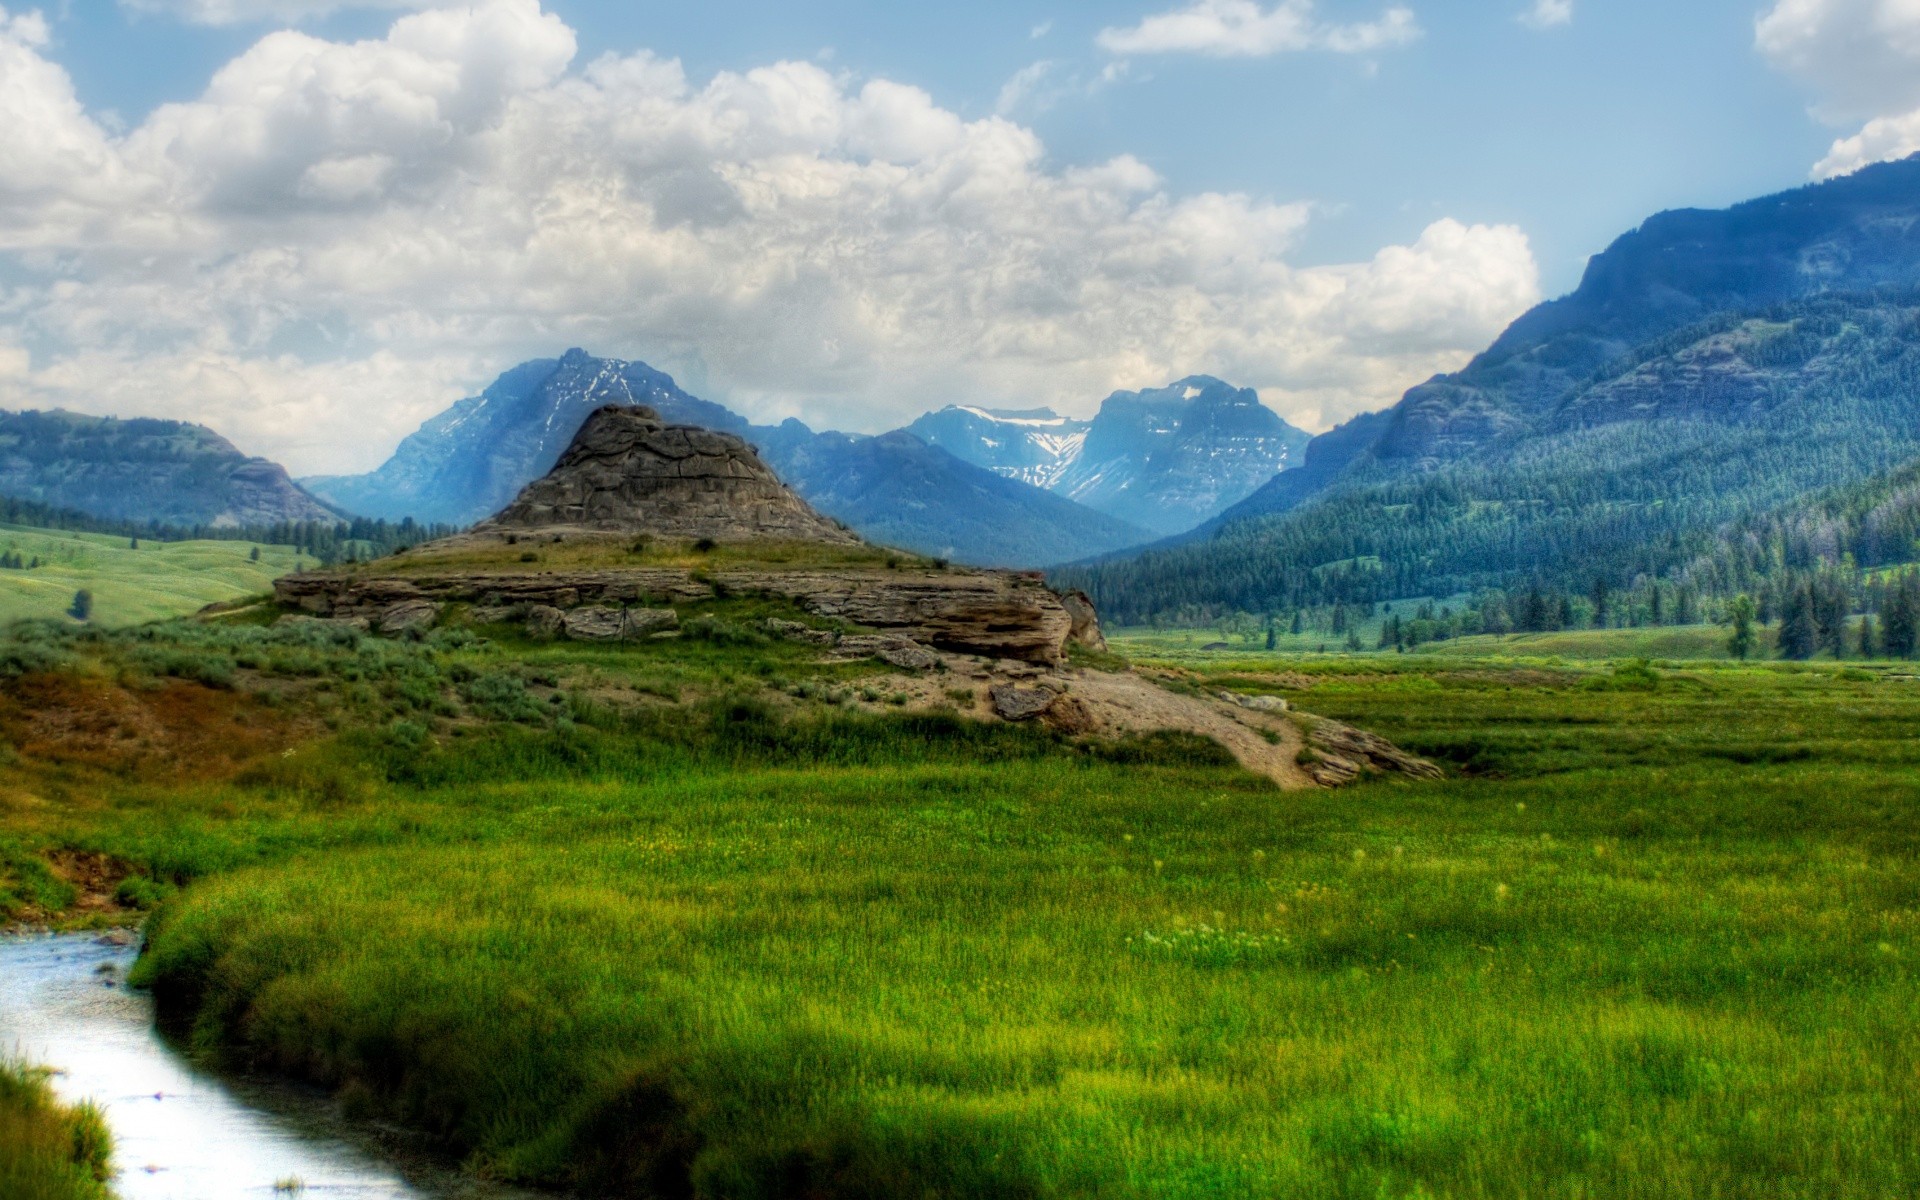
(1057, 975)
(1654, 938)
(48, 1151)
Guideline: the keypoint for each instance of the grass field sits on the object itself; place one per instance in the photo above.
(47, 1150)
(129, 586)
(1673, 643)
(1655, 938)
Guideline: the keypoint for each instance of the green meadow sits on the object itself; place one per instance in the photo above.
(699, 919)
(131, 586)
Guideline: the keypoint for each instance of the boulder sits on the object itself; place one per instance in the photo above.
(1069, 715)
(594, 624)
(638, 623)
(408, 616)
(1086, 621)
(1012, 703)
(545, 622)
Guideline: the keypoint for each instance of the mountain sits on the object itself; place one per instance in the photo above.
(145, 470)
(898, 491)
(1033, 445)
(470, 461)
(1166, 459)
(1853, 234)
(1711, 366)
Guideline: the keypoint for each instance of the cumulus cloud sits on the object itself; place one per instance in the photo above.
(238, 12)
(334, 240)
(1547, 14)
(1861, 60)
(1242, 29)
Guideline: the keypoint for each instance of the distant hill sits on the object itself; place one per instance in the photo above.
(467, 463)
(146, 470)
(1711, 369)
(1166, 459)
(130, 584)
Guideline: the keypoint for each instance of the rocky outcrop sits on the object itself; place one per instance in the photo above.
(992, 613)
(629, 472)
(1086, 621)
(1341, 754)
(628, 476)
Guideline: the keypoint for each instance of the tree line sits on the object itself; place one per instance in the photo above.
(331, 542)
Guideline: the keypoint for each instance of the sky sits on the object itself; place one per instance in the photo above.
(312, 224)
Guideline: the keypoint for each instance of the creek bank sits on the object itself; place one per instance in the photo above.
(178, 1132)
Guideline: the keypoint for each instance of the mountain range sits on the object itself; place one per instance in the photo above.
(1711, 368)
(1166, 459)
(1150, 463)
(145, 470)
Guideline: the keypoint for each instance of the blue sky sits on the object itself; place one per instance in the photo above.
(1575, 133)
(313, 223)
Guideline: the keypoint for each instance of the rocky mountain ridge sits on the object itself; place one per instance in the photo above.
(469, 461)
(1167, 459)
(147, 470)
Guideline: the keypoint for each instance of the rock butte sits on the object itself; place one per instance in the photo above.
(630, 483)
(627, 475)
(628, 472)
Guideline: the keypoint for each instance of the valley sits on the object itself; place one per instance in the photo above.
(821, 941)
(1507, 792)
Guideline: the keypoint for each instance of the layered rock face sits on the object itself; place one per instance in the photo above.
(995, 613)
(628, 471)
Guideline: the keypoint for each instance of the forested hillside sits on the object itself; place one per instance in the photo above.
(1694, 458)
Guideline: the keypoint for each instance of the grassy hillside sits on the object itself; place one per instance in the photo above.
(1655, 937)
(131, 586)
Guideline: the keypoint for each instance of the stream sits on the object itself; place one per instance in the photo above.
(180, 1133)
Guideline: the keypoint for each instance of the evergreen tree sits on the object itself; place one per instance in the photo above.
(1800, 628)
(1900, 623)
(1741, 643)
(254, 555)
(82, 608)
(1869, 644)
(1353, 641)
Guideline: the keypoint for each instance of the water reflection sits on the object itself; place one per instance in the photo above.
(179, 1133)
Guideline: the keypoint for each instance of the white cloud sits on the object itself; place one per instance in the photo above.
(238, 12)
(1041, 30)
(1548, 14)
(337, 239)
(1242, 29)
(1861, 60)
